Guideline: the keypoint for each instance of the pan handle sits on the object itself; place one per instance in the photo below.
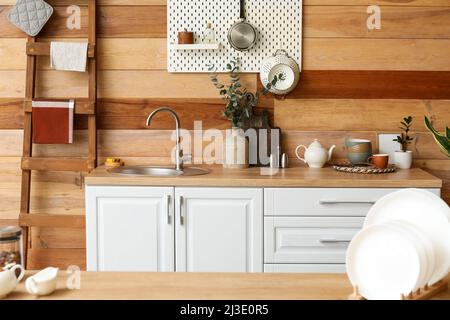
(242, 10)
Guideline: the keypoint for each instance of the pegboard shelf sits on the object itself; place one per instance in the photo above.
(196, 46)
(279, 25)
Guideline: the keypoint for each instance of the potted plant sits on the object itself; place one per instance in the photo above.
(239, 111)
(403, 157)
(443, 140)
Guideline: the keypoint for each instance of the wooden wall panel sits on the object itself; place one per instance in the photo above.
(355, 83)
(397, 22)
(350, 84)
(358, 115)
(116, 84)
(318, 54)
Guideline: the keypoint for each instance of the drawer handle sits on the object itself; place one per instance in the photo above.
(371, 202)
(329, 241)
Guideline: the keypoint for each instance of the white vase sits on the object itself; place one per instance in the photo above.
(403, 160)
(235, 149)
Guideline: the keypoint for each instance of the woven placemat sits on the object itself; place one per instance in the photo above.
(362, 169)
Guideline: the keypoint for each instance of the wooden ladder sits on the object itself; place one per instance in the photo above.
(85, 107)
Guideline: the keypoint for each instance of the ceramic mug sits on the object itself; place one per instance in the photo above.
(358, 150)
(381, 161)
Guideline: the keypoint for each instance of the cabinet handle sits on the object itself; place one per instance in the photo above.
(181, 211)
(168, 209)
(335, 201)
(330, 241)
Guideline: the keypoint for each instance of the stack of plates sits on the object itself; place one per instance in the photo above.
(404, 245)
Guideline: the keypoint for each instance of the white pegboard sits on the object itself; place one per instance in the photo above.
(279, 25)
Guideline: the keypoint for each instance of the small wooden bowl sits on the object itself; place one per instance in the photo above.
(185, 37)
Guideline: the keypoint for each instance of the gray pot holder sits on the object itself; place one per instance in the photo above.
(30, 15)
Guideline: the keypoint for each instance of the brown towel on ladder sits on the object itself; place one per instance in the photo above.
(53, 122)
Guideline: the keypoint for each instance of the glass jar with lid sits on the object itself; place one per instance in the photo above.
(10, 246)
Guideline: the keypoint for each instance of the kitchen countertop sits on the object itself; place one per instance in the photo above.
(291, 177)
(202, 286)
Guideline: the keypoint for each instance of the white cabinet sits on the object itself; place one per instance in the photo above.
(310, 240)
(149, 228)
(129, 229)
(308, 230)
(344, 202)
(189, 229)
(219, 229)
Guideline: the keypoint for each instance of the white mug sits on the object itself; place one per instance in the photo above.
(42, 283)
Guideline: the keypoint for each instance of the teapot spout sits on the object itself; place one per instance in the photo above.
(330, 152)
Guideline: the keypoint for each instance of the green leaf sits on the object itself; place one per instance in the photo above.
(447, 132)
(442, 141)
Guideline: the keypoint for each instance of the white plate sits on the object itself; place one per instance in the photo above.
(425, 212)
(383, 263)
(426, 248)
(437, 201)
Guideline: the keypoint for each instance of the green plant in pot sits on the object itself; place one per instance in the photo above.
(403, 157)
(239, 102)
(443, 140)
(239, 111)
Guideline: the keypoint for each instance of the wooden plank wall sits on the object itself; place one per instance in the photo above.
(355, 83)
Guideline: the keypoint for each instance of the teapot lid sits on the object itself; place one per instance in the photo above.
(315, 144)
(9, 232)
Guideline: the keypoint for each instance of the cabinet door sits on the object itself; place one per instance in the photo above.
(130, 229)
(219, 230)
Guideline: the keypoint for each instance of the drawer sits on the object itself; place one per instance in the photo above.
(304, 268)
(322, 201)
(308, 239)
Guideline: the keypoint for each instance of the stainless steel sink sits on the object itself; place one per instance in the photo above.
(159, 171)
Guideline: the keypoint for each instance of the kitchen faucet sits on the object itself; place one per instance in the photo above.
(178, 151)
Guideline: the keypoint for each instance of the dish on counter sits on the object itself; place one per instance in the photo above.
(427, 213)
(384, 263)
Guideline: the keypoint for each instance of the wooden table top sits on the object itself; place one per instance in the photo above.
(292, 177)
(202, 286)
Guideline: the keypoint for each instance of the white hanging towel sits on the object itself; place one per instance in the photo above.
(68, 56)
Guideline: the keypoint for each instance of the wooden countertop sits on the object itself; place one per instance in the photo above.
(202, 286)
(292, 177)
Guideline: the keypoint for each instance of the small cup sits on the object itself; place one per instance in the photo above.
(381, 161)
(185, 37)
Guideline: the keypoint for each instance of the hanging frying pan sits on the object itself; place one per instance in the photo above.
(242, 36)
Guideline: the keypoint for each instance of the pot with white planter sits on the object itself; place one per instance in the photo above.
(404, 157)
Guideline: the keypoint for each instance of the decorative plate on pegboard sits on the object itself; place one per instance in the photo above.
(362, 169)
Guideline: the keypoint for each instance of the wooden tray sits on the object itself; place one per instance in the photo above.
(362, 169)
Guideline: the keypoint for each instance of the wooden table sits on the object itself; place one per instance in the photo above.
(202, 286)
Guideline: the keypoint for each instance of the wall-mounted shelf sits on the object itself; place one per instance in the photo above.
(279, 25)
(196, 46)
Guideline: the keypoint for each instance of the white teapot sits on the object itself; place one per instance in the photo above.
(315, 156)
(8, 279)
